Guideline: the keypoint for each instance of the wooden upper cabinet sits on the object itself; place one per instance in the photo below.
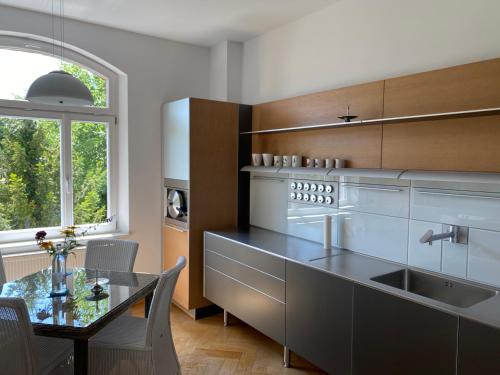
(459, 88)
(366, 101)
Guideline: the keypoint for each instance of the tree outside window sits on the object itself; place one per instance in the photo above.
(30, 166)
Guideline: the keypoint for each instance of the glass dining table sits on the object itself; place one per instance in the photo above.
(74, 316)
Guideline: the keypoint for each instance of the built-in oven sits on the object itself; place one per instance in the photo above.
(176, 200)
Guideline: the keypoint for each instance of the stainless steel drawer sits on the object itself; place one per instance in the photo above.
(262, 312)
(263, 282)
(244, 254)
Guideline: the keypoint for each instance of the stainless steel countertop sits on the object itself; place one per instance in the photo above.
(357, 268)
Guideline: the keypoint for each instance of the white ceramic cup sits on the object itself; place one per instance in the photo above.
(340, 163)
(319, 163)
(278, 161)
(296, 161)
(287, 160)
(309, 163)
(329, 163)
(256, 160)
(268, 160)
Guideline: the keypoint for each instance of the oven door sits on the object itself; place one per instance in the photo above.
(176, 204)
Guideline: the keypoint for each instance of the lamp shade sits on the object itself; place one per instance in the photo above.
(59, 88)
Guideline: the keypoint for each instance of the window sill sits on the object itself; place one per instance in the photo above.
(30, 247)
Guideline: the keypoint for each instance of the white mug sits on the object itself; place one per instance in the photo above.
(278, 161)
(268, 160)
(287, 160)
(319, 163)
(256, 160)
(296, 161)
(329, 163)
(340, 163)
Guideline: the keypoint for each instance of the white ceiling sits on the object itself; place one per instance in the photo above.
(204, 22)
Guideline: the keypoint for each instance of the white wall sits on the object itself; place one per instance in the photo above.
(218, 71)
(157, 71)
(225, 71)
(356, 41)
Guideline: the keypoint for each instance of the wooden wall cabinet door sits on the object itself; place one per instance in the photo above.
(459, 88)
(176, 244)
(400, 337)
(319, 317)
(478, 349)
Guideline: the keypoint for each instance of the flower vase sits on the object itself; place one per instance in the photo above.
(59, 287)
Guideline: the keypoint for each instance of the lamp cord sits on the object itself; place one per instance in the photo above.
(61, 26)
(53, 32)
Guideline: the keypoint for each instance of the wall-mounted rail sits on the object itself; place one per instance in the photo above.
(398, 174)
(388, 120)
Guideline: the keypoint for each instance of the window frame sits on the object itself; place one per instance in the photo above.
(66, 115)
(45, 48)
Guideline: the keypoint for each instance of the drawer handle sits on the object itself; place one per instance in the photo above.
(457, 195)
(373, 188)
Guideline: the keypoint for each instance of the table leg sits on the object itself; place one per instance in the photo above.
(147, 304)
(81, 349)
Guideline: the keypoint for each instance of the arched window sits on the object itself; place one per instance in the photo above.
(57, 164)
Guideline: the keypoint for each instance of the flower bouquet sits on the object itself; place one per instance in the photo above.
(59, 254)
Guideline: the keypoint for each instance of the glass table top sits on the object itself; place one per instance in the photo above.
(74, 310)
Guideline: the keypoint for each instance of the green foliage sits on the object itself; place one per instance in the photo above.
(89, 172)
(30, 172)
(95, 83)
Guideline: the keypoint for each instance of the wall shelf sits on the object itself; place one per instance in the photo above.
(360, 172)
(260, 169)
(308, 171)
(345, 172)
(442, 176)
(398, 174)
(388, 120)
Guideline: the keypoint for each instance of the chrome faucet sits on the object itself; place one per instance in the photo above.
(453, 233)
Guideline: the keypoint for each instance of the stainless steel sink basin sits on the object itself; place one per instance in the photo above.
(441, 289)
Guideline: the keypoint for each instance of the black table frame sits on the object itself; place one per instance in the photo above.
(81, 335)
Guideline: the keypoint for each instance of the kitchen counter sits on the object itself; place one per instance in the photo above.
(356, 268)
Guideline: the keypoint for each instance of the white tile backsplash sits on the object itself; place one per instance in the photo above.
(387, 221)
(376, 235)
(424, 255)
(466, 208)
(268, 203)
(375, 199)
(454, 261)
(484, 256)
(306, 221)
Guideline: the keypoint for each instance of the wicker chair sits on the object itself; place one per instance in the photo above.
(131, 345)
(111, 255)
(23, 353)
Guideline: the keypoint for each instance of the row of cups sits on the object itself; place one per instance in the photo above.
(279, 161)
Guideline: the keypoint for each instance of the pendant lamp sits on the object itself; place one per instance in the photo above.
(59, 87)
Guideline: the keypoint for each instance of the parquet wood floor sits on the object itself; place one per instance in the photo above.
(206, 347)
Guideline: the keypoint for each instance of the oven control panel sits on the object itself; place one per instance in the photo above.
(322, 193)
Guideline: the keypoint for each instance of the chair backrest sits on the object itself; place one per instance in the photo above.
(111, 255)
(159, 333)
(16, 338)
(3, 278)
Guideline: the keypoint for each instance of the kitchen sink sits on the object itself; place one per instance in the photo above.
(440, 289)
